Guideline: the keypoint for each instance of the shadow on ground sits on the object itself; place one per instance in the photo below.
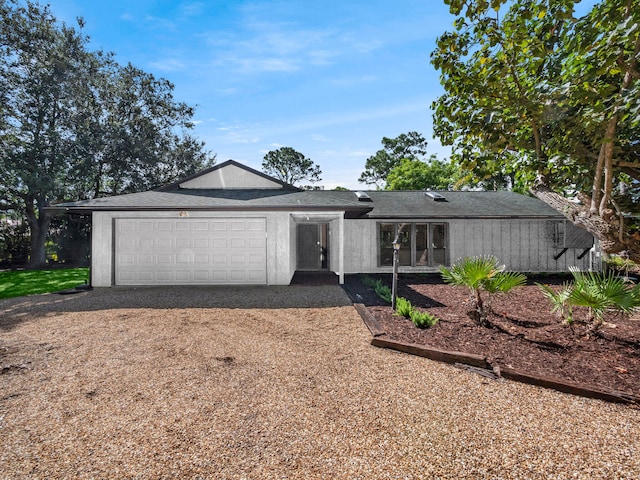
(17, 310)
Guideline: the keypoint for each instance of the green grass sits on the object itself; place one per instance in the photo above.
(29, 282)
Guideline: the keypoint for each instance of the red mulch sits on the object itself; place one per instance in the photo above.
(525, 335)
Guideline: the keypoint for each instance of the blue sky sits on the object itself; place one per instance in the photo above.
(329, 79)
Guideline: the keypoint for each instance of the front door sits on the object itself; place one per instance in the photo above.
(312, 246)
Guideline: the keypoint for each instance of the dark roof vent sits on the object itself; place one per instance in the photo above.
(363, 197)
(435, 196)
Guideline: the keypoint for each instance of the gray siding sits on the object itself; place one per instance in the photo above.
(525, 245)
(520, 244)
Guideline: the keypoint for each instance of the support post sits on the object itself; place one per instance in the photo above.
(394, 280)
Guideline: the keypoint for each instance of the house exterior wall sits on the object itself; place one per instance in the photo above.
(524, 245)
(279, 238)
(521, 245)
(336, 223)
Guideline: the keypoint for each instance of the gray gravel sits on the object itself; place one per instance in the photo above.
(270, 382)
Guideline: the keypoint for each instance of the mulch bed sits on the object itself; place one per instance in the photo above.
(524, 336)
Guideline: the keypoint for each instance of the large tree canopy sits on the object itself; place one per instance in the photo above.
(551, 99)
(290, 166)
(74, 124)
(410, 146)
(433, 174)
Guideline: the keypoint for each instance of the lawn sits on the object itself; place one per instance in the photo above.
(29, 282)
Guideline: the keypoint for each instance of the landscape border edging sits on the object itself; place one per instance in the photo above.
(445, 356)
(479, 361)
(369, 320)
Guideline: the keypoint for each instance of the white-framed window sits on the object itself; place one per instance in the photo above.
(422, 244)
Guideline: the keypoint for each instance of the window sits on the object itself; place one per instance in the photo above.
(421, 244)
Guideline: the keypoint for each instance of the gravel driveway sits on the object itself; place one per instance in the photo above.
(270, 382)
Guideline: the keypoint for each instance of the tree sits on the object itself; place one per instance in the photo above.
(551, 97)
(76, 125)
(39, 63)
(290, 166)
(417, 175)
(411, 146)
(134, 136)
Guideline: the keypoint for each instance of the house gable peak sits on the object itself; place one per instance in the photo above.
(230, 175)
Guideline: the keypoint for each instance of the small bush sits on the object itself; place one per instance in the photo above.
(382, 291)
(423, 319)
(367, 281)
(419, 319)
(559, 300)
(403, 307)
(622, 264)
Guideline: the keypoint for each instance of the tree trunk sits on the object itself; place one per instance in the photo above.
(596, 190)
(605, 227)
(39, 226)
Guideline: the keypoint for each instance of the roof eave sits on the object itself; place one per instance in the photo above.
(90, 209)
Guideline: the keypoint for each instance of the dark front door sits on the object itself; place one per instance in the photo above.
(312, 246)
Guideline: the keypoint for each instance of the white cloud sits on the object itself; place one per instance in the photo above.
(320, 138)
(257, 64)
(355, 117)
(169, 65)
(227, 91)
(192, 9)
(256, 45)
(160, 23)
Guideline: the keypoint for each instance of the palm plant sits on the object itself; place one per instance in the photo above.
(598, 293)
(559, 300)
(481, 274)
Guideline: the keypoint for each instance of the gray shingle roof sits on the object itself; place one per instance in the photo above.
(457, 204)
(384, 204)
(215, 200)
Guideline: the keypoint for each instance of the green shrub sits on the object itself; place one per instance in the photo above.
(367, 281)
(382, 291)
(621, 264)
(403, 307)
(423, 319)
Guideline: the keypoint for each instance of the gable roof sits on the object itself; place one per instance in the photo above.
(230, 175)
(231, 186)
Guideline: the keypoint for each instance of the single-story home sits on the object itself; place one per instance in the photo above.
(231, 224)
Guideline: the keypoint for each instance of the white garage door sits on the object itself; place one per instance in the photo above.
(191, 251)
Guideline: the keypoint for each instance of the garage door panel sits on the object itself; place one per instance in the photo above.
(201, 243)
(184, 258)
(201, 258)
(190, 251)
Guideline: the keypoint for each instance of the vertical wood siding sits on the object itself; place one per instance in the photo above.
(525, 245)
